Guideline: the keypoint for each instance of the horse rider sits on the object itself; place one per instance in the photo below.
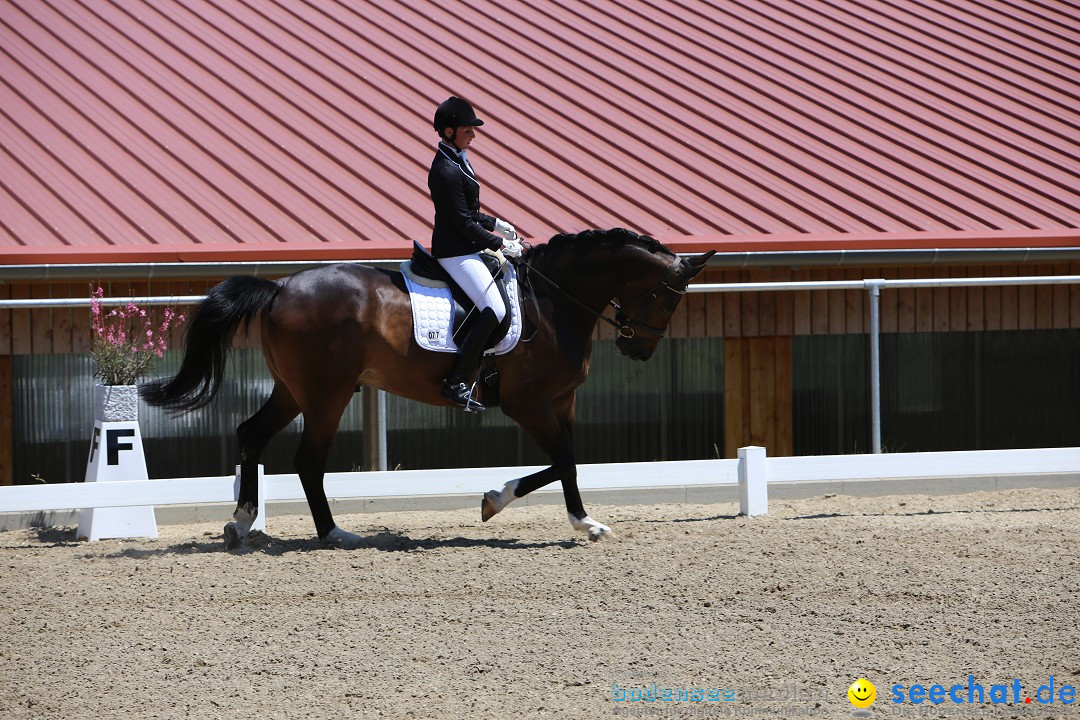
(460, 234)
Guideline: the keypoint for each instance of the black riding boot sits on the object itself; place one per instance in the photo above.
(456, 387)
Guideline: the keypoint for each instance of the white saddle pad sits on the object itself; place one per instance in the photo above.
(433, 308)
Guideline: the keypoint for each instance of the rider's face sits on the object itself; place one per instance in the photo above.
(463, 137)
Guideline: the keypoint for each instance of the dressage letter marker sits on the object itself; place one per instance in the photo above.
(116, 453)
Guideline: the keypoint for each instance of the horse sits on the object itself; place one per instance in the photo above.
(328, 331)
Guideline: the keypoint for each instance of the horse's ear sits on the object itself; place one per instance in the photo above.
(697, 263)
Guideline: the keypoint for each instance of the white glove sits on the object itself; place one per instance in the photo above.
(505, 229)
(512, 248)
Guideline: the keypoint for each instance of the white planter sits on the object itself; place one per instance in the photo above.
(116, 403)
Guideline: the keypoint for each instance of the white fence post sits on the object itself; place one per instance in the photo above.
(753, 481)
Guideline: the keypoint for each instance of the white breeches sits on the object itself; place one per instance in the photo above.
(470, 272)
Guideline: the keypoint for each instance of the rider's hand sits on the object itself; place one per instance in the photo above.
(505, 229)
(512, 248)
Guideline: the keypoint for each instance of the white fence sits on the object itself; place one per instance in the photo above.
(753, 472)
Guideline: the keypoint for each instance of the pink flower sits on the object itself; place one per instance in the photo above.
(125, 339)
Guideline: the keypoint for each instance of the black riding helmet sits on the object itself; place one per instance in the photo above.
(454, 113)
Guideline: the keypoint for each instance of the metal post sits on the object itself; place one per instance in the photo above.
(374, 428)
(874, 286)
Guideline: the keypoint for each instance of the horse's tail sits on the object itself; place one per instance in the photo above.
(208, 341)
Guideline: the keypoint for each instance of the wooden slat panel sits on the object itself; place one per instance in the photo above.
(924, 303)
(697, 315)
(837, 305)
(992, 300)
(20, 323)
(855, 302)
(785, 304)
(1060, 298)
(1010, 301)
(81, 335)
(5, 321)
(941, 313)
(1026, 295)
(905, 304)
(62, 318)
(957, 302)
(976, 319)
(1044, 300)
(751, 305)
(819, 305)
(41, 322)
(732, 307)
(736, 391)
(1074, 297)
(801, 303)
(762, 391)
(767, 307)
(714, 306)
(890, 301)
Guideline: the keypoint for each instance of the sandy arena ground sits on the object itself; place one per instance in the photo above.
(446, 617)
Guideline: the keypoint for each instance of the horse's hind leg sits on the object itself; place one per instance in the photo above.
(254, 434)
(320, 426)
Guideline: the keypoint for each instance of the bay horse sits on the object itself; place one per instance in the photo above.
(328, 331)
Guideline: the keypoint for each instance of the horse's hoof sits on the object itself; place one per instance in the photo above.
(603, 532)
(488, 507)
(342, 540)
(232, 537)
(595, 531)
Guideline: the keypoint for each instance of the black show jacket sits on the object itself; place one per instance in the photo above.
(460, 227)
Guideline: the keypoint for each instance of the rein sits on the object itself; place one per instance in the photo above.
(623, 325)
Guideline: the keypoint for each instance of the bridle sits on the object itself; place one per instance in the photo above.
(627, 328)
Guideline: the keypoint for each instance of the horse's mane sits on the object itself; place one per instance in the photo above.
(569, 242)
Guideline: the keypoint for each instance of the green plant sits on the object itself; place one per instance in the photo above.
(126, 339)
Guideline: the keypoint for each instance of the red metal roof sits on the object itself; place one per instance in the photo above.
(137, 130)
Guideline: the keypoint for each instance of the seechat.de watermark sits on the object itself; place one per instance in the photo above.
(972, 692)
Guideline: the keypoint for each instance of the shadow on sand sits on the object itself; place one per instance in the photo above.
(259, 543)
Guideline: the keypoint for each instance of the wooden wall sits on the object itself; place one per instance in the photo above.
(763, 314)
(59, 331)
(757, 327)
(758, 394)
(757, 379)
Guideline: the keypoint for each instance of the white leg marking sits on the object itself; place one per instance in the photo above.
(596, 531)
(243, 519)
(496, 500)
(506, 495)
(342, 539)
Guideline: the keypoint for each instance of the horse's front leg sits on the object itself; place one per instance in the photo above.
(552, 431)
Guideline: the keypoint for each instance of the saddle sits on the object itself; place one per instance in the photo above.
(428, 284)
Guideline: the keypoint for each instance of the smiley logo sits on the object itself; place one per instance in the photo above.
(862, 693)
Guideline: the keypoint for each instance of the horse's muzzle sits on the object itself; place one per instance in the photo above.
(634, 350)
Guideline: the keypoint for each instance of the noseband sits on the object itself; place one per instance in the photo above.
(626, 327)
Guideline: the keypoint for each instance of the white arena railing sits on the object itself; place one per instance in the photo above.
(755, 475)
